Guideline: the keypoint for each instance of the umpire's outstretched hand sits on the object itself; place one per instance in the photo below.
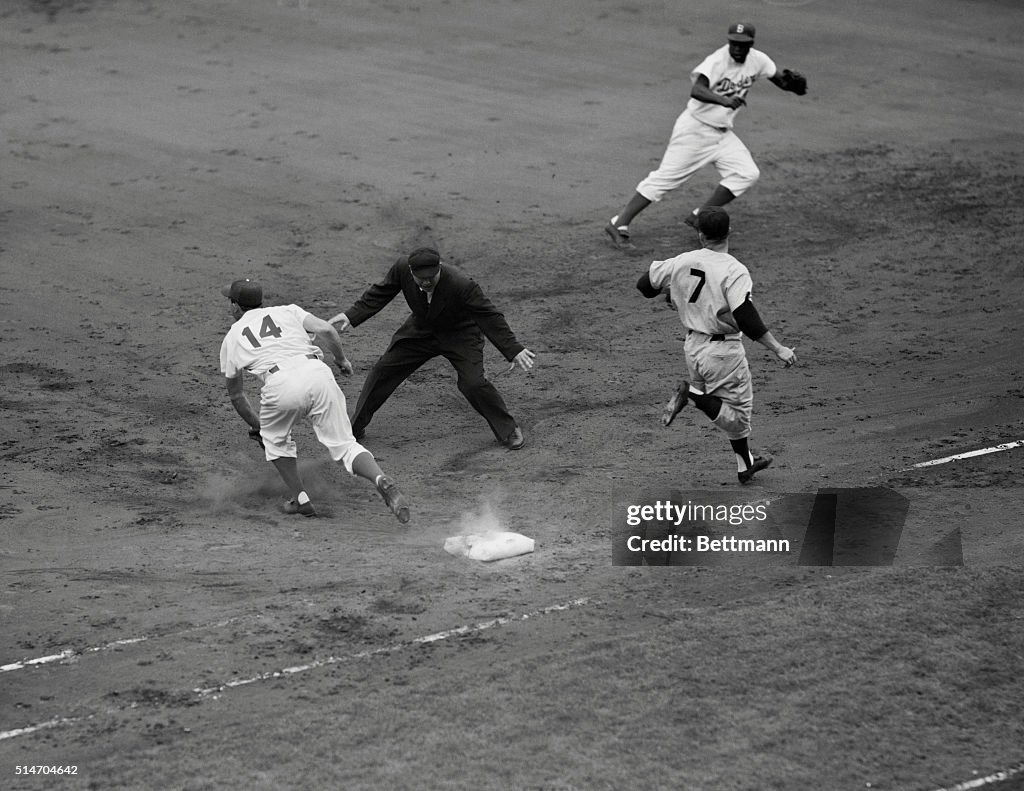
(524, 359)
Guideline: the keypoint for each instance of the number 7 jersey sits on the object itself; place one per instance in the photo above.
(263, 337)
(705, 286)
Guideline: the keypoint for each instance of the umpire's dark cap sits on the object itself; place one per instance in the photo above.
(741, 32)
(713, 222)
(245, 292)
(424, 262)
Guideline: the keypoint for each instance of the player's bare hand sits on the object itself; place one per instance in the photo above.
(345, 366)
(735, 102)
(787, 355)
(342, 322)
(524, 359)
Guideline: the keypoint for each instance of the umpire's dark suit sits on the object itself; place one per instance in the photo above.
(453, 324)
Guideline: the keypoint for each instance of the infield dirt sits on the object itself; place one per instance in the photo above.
(154, 151)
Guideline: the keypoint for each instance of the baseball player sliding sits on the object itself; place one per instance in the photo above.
(703, 132)
(275, 345)
(711, 290)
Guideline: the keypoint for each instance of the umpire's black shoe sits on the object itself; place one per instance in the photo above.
(393, 497)
(760, 462)
(515, 440)
(675, 404)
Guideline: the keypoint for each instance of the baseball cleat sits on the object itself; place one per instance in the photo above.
(619, 235)
(393, 498)
(295, 507)
(675, 404)
(760, 462)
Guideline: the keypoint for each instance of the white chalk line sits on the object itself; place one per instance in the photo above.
(981, 782)
(70, 654)
(430, 638)
(969, 454)
(42, 726)
(214, 692)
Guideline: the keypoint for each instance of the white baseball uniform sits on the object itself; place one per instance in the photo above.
(272, 344)
(703, 134)
(706, 286)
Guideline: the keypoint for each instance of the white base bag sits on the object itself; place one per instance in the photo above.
(489, 546)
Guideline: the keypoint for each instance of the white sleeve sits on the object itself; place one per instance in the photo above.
(228, 366)
(737, 286)
(295, 310)
(707, 67)
(767, 67)
(660, 273)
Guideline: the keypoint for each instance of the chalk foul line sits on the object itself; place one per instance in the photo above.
(430, 638)
(969, 454)
(70, 654)
(214, 692)
(981, 782)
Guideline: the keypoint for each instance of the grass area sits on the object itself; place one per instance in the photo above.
(907, 680)
(893, 678)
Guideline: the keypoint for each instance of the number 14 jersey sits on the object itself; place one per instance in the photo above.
(264, 337)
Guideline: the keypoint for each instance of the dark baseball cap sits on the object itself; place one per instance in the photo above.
(741, 32)
(713, 222)
(425, 262)
(247, 293)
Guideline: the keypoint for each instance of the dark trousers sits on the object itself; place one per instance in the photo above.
(406, 354)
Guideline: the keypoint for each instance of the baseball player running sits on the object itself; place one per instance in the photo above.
(275, 345)
(703, 132)
(711, 290)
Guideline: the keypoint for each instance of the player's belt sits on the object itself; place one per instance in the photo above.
(275, 368)
(722, 129)
(719, 336)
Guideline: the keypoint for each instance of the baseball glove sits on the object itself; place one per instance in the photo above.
(794, 82)
(254, 434)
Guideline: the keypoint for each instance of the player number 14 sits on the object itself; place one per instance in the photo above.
(267, 330)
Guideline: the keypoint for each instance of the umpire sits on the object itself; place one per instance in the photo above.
(450, 317)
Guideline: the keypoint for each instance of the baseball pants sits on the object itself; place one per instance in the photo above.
(305, 388)
(406, 354)
(692, 146)
(719, 368)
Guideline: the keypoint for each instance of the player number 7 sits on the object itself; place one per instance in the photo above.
(698, 273)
